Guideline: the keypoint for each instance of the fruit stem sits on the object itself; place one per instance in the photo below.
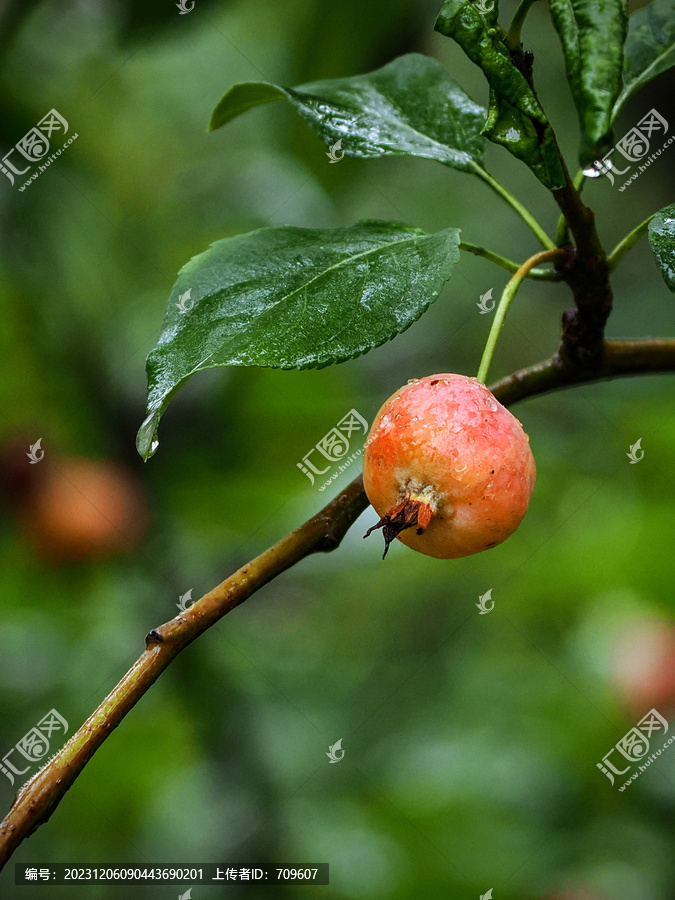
(507, 296)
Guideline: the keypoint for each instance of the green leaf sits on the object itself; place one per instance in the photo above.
(292, 297)
(592, 33)
(410, 107)
(529, 142)
(242, 97)
(515, 119)
(662, 242)
(649, 50)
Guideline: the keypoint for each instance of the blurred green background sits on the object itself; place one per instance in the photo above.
(470, 741)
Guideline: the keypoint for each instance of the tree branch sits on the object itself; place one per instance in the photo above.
(587, 271)
(39, 797)
(588, 276)
(620, 359)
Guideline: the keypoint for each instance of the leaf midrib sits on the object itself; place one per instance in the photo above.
(344, 261)
(669, 49)
(325, 271)
(626, 92)
(454, 151)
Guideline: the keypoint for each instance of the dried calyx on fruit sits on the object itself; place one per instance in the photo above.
(416, 507)
(447, 467)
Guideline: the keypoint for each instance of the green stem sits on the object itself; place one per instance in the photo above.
(513, 39)
(504, 303)
(626, 243)
(508, 264)
(515, 204)
(562, 231)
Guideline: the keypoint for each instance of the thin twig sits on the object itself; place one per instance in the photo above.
(509, 264)
(620, 359)
(39, 797)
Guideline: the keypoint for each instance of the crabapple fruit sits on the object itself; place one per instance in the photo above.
(84, 509)
(447, 467)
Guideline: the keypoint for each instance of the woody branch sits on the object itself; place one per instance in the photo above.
(39, 797)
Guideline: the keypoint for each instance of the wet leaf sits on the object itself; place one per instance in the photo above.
(515, 118)
(410, 107)
(532, 144)
(292, 297)
(592, 35)
(662, 241)
(650, 48)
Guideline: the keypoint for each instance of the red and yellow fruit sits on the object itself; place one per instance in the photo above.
(447, 467)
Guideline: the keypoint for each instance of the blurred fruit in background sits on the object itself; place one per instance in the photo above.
(643, 664)
(73, 509)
